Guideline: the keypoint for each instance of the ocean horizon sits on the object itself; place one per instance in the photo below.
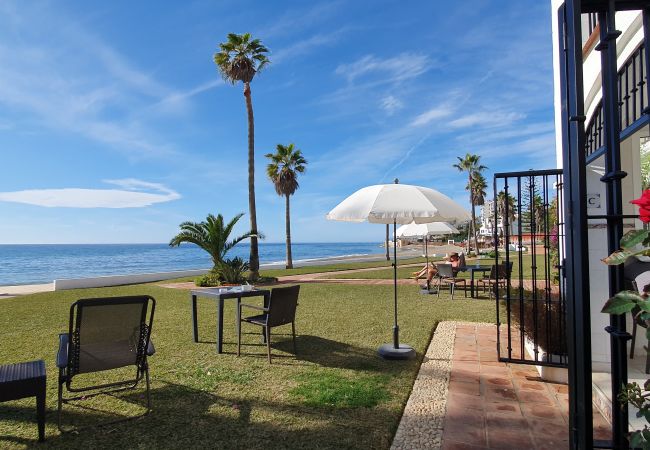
(43, 263)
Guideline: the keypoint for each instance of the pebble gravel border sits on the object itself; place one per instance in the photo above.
(424, 415)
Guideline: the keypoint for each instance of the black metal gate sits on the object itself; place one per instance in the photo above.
(528, 234)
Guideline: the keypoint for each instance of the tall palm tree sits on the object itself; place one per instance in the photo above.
(505, 201)
(239, 59)
(478, 191)
(286, 163)
(211, 235)
(472, 165)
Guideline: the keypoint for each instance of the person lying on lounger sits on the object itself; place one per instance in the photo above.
(431, 270)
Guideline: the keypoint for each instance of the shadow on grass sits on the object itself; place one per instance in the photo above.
(329, 353)
(184, 417)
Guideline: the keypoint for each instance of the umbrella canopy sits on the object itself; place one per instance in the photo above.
(426, 229)
(398, 203)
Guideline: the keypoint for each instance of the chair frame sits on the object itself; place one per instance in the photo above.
(69, 348)
(451, 281)
(499, 274)
(266, 330)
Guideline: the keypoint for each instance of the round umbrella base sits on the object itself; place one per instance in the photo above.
(388, 351)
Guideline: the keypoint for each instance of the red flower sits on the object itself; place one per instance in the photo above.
(644, 206)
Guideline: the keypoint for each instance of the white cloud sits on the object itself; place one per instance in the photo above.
(486, 119)
(131, 195)
(391, 104)
(437, 112)
(305, 46)
(74, 82)
(402, 67)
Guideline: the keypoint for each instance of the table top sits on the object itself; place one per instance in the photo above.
(230, 293)
(22, 371)
(477, 269)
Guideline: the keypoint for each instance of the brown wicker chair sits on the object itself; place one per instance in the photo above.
(496, 279)
(281, 310)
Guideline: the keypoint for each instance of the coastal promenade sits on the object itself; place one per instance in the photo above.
(25, 289)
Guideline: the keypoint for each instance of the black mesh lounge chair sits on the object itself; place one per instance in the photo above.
(447, 274)
(281, 310)
(104, 334)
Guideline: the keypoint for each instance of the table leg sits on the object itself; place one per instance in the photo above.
(471, 289)
(220, 325)
(195, 326)
(267, 300)
(40, 411)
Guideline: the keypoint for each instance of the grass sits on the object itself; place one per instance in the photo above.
(407, 272)
(336, 267)
(336, 393)
(323, 268)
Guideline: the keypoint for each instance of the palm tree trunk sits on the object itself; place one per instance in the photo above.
(287, 219)
(471, 224)
(474, 228)
(254, 260)
(387, 239)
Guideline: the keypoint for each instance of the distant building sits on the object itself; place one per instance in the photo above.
(488, 219)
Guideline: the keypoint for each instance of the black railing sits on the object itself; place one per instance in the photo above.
(632, 95)
(592, 22)
(589, 23)
(529, 240)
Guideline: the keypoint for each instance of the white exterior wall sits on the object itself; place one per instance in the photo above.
(117, 280)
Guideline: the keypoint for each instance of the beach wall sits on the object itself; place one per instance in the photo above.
(117, 280)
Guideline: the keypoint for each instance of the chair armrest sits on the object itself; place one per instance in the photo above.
(260, 308)
(62, 354)
(150, 348)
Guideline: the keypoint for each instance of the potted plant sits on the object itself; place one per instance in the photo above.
(633, 244)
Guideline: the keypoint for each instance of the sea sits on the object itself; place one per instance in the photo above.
(43, 263)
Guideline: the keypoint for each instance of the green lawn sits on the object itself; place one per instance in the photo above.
(336, 267)
(323, 268)
(335, 394)
(407, 272)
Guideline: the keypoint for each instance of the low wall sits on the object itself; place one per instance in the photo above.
(116, 280)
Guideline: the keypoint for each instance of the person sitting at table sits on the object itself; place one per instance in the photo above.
(431, 270)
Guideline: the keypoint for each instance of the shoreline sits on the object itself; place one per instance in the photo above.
(411, 251)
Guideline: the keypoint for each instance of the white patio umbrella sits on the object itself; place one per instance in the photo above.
(424, 230)
(397, 203)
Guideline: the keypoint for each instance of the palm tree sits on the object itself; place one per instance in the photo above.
(239, 59)
(211, 235)
(472, 165)
(286, 163)
(505, 201)
(478, 192)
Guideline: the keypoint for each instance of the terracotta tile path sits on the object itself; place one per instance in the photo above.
(493, 405)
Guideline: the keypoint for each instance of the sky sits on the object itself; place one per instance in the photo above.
(115, 125)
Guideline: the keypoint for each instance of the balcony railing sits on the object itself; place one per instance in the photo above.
(632, 101)
(589, 24)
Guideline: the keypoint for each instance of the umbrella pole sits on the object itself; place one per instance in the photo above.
(426, 255)
(395, 326)
(395, 350)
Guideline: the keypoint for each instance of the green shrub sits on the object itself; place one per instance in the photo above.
(210, 279)
(541, 319)
(232, 270)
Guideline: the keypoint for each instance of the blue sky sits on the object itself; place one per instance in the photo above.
(115, 125)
